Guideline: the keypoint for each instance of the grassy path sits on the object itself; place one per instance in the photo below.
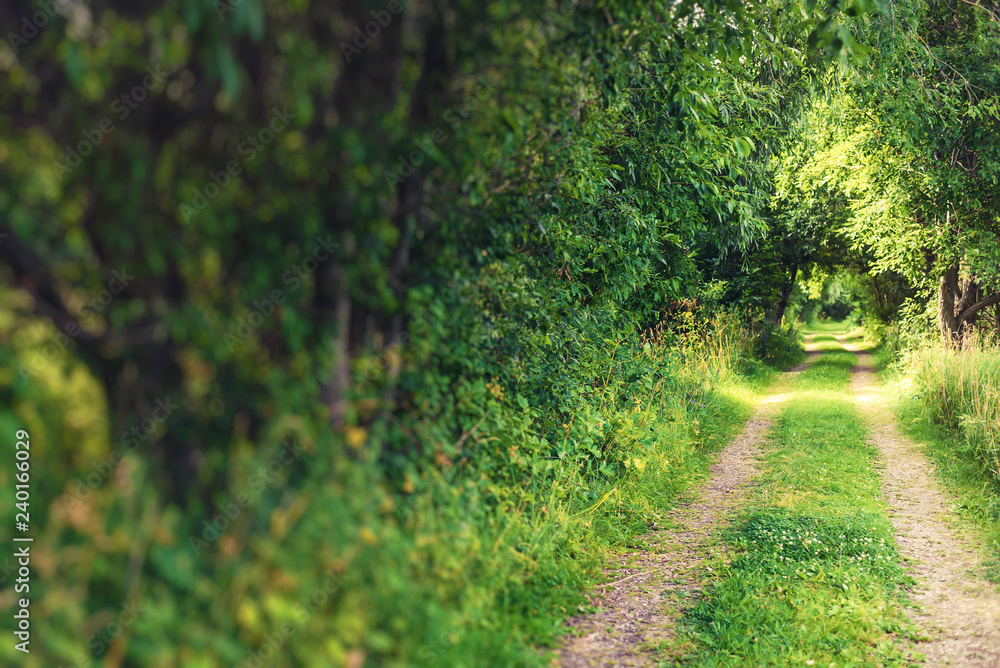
(639, 612)
(820, 539)
(813, 576)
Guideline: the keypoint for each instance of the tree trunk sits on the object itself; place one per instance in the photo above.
(957, 311)
(947, 322)
(334, 393)
(972, 294)
(786, 293)
(969, 315)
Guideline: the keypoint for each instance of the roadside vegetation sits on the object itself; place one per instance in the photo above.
(503, 275)
(949, 401)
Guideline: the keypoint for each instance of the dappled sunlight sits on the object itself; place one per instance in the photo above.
(789, 499)
(738, 393)
(870, 398)
(855, 343)
(826, 347)
(821, 398)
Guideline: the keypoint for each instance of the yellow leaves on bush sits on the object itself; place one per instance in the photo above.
(279, 608)
(355, 437)
(336, 653)
(496, 390)
(248, 614)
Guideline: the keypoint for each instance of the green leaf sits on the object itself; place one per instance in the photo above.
(75, 69)
(743, 147)
(229, 71)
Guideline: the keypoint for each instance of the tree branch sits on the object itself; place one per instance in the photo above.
(976, 308)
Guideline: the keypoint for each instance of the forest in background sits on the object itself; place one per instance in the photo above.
(370, 326)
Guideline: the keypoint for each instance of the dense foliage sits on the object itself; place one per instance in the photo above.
(378, 319)
(908, 145)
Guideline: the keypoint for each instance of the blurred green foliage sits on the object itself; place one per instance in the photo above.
(445, 309)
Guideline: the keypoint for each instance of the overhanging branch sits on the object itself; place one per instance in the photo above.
(977, 307)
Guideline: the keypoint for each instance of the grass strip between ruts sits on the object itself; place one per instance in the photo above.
(813, 576)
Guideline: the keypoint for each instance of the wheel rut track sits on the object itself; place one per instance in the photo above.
(640, 609)
(959, 612)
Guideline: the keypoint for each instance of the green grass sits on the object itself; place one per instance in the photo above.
(824, 326)
(814, 574)
(825, 336)
(509, 579)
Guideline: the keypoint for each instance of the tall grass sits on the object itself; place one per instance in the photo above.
(953, 406)
(960, 390)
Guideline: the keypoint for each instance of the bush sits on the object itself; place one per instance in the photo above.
(467, 547)
(781, 346)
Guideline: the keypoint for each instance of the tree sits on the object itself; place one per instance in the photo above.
(919, 154)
